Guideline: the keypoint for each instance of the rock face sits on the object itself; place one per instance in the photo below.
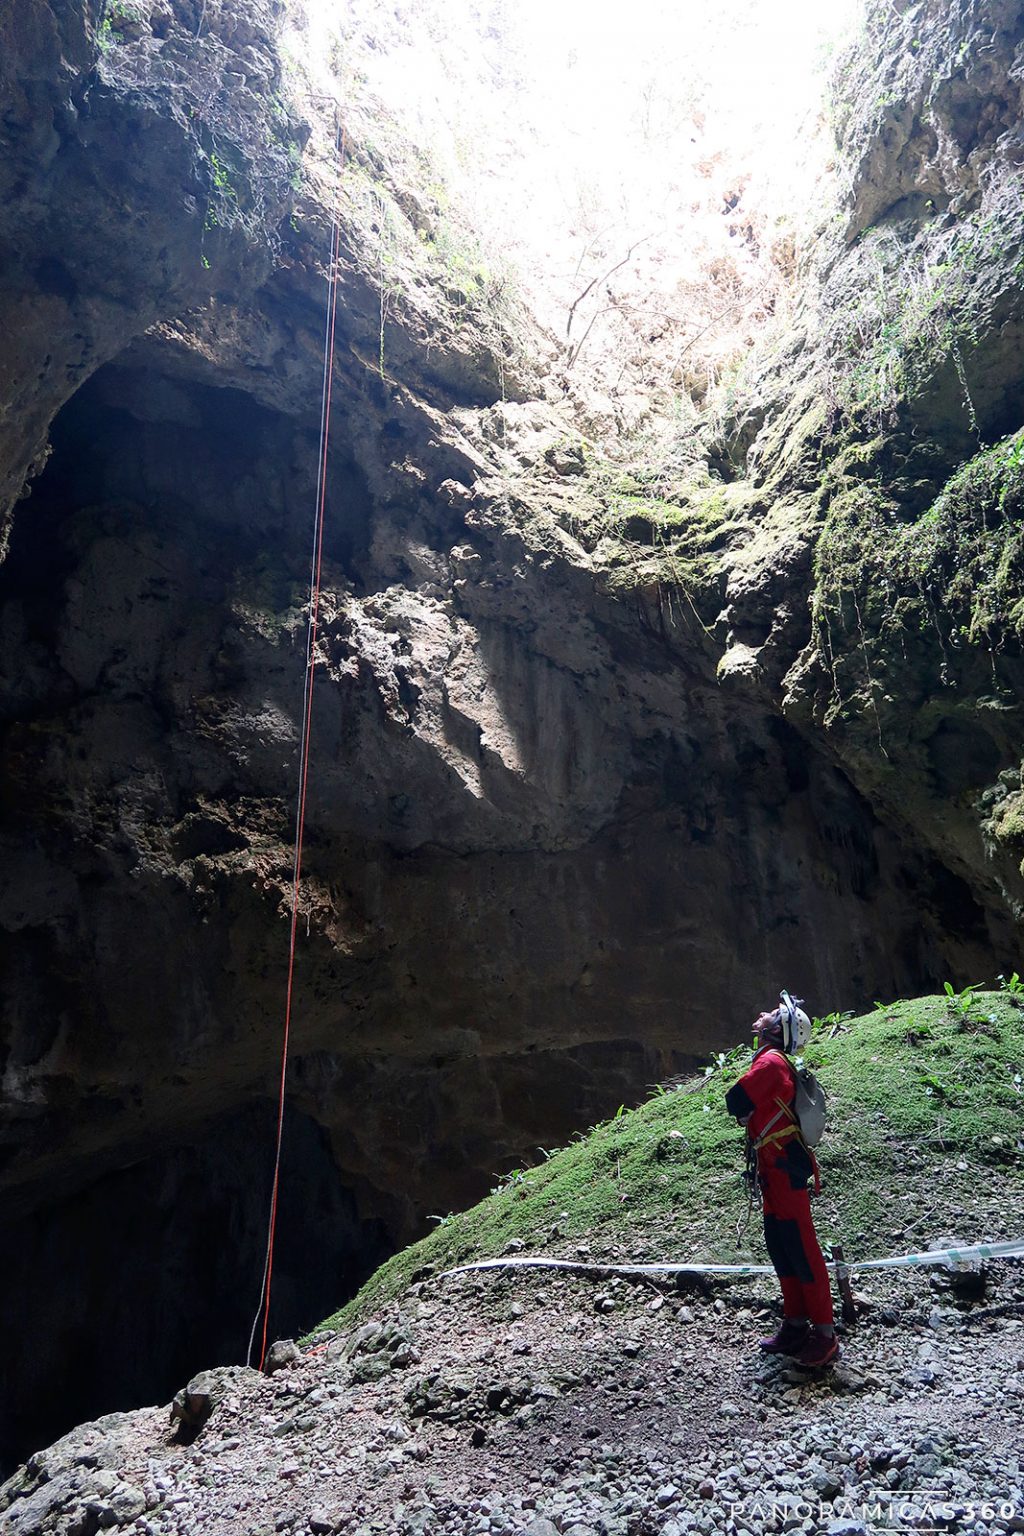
(565, 834)
(145, 170)
(914, 672)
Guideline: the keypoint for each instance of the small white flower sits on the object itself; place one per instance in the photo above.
(928, 1092)
(706, 1108)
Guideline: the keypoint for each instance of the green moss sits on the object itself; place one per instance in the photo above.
(947, 583)
(924, 1109)
(465, 274)
(1007, 822)
(915, 311)
(790, 447)
(120, 17)
(968, 548)
(649, 529)
(964, 555)
(627, 507)
(426, 260)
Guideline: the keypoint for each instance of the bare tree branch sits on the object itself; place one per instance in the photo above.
(594, 282)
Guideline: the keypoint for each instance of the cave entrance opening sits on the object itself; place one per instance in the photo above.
(160, 560)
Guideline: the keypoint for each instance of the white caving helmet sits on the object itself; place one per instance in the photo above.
(796, 1026)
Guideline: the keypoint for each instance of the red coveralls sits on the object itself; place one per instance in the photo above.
(784, 1168)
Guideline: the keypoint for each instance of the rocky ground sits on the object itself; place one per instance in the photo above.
(561, 1406)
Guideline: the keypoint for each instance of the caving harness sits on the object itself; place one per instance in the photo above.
(808, 1088)
(804, 1118)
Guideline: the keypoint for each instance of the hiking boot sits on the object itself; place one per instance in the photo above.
(789, 1340)
(821, 1349)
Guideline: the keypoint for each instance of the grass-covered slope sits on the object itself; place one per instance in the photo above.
(925, 1141)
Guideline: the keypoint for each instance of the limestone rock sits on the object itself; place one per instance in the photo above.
(281, 1354)
(195, 1403)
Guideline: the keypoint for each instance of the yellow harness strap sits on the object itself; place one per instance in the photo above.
(768, 1137)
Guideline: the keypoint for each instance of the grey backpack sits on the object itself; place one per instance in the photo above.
(809, 1106)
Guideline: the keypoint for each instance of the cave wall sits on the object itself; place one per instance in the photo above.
(550, 861)
(154, 1266)
(878, 603)
(564, 837)
(146, 167)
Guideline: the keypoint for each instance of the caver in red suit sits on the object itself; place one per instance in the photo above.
(762, 1100)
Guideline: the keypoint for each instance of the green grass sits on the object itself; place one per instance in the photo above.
(916, 1090)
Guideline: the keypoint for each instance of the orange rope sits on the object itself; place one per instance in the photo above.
(316, 567)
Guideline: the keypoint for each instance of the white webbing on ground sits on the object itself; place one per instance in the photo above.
(1009, 1250)
(1013, 1249)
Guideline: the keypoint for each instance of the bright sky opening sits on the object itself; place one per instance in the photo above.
(686, 141)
